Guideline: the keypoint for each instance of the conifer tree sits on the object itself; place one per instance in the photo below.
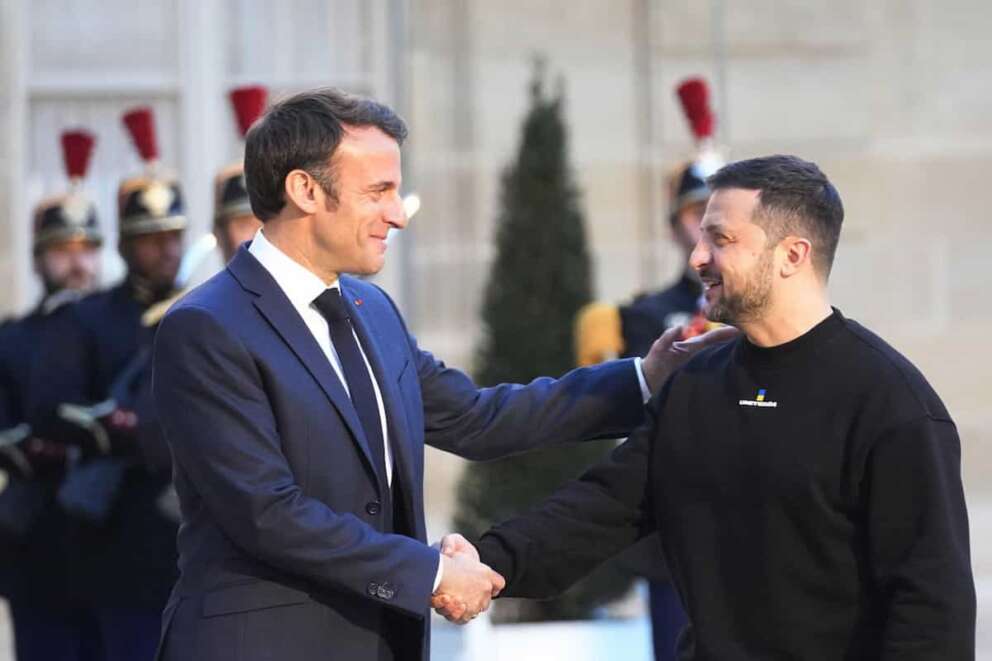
(538, 282)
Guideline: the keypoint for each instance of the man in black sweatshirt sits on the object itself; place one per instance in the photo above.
(805, 477)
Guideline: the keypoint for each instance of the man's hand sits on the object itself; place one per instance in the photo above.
(121, 426)
(467, 586)
(103, 428)
(454, 544)
(669, 352)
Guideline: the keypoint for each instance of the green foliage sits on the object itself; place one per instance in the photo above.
(541, 274)
(539, 280)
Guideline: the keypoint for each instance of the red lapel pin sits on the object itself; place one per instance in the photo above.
(358, 301)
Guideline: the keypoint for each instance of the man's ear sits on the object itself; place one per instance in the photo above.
(300, 189)
(798, 255)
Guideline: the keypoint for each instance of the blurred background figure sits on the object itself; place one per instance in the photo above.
(96, 375)
(66, 231)
(652, 313)
(234, 222)
(33, 543)
(628, 330)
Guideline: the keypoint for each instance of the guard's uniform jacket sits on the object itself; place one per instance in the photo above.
(128, 561)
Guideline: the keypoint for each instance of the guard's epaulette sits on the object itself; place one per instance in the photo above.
(598, 334)
(156, 312)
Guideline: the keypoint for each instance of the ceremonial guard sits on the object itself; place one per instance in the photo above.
(97, 374)
(33, 577)
(651, 314)
(606, 331)
(234, 222)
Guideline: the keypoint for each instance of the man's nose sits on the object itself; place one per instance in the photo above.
(700, 256)
(395, 214)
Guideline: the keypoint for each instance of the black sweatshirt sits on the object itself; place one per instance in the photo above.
(808, 497)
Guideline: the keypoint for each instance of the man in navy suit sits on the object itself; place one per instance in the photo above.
(297, 404)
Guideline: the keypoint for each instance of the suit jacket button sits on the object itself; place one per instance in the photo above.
(373, 589)
(373, 507)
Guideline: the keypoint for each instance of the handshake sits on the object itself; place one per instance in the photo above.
(467, 586)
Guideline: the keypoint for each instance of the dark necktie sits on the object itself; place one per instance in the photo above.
(356, 374)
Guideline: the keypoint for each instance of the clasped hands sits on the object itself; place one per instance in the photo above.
(467, 585)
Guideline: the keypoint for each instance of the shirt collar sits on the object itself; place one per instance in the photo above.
(300, 284)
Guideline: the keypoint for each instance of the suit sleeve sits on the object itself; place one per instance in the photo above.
(604, 401)
(216, 418)
(586, 522)
(918, 538)
(588, 403)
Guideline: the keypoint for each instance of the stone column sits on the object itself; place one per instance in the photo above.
(203, 108)
(15, 266)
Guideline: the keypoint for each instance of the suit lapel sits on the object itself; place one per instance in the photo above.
(273, 305)
(395, 414)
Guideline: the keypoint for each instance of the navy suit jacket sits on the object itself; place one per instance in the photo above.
(283, 549)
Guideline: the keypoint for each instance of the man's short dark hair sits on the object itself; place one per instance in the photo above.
(302, 133)
(796, 198)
